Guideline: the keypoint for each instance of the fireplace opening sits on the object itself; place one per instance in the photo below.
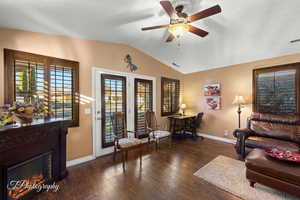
(25, 177)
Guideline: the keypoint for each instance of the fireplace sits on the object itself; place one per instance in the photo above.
(31, 156)
(32, 172)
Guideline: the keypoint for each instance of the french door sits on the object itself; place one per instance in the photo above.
(120, 92)
(113, 99)
(143, 102)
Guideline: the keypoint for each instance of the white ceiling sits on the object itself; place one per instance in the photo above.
(245, 30)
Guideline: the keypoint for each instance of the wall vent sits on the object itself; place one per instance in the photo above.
(175, 64)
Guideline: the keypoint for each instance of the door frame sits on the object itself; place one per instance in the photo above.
(96, 86)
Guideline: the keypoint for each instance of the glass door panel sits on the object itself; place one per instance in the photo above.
(113, 98)
(143, 100)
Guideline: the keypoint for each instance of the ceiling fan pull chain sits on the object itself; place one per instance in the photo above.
(178, 51)
(179, 43)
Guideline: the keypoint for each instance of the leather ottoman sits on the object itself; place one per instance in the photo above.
(280, 175)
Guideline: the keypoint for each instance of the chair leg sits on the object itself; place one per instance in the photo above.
(194, 135)
(170, 141)
(141, 154)
(156, 144)
(115, 153)
(149, 143)
(123, 160)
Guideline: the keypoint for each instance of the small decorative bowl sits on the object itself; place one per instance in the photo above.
(284, 155)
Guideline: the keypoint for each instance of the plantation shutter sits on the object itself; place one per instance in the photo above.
(143, 103)
(170, 96)
(61, 92)
(276, 90)
(113, 99)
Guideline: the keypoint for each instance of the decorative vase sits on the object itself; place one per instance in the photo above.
(25, 117)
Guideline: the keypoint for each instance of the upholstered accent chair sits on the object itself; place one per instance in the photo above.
(156, 132)
(124, 140)
(268, 131)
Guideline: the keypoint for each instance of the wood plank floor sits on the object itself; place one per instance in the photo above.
(165, 175)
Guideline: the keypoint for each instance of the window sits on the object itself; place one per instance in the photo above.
(170, 92)
(276, 89)
(143, 101)
(55, 82)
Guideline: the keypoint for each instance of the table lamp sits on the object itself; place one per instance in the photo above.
(239, 100)
(183, 107)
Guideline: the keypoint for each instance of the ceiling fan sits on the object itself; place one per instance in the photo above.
(180, 21)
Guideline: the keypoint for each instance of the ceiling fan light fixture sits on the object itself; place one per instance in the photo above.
(179, 21)
(178, 30)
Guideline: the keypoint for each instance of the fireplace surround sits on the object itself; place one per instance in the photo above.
(35, 154)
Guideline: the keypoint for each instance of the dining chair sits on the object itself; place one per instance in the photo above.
(124, 140)
(155, 131)
(194, 123)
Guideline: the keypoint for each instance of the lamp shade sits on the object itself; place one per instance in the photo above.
(178, 30)
(239, 100)
(183, 106)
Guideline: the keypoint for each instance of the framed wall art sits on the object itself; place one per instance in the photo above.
(213, 103)
(212, 90)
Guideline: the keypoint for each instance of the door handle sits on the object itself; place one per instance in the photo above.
(99, 113)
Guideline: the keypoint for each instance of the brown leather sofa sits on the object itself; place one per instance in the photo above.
(268, 131)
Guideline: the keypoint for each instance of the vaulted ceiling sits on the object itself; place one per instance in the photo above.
(245, 30)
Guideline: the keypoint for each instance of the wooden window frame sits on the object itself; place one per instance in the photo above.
(136, 80)
(10, 85)
(177, 85)
(292, 66)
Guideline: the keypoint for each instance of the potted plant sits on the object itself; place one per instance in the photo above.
(23, 112)
(6, 117)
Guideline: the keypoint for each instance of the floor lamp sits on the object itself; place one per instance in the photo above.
(183, 107)
(239, 100)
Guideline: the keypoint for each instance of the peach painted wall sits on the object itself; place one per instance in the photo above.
(234, 80)
(90, 54)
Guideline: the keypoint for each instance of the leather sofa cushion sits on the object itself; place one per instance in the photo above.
(282, 118)
(263, 142)
(258, 161)
(276, 130)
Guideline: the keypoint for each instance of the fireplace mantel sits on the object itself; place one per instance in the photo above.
(20, 143)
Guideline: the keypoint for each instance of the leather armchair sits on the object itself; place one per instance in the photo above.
(268, 131)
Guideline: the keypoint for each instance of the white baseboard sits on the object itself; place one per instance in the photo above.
(80, 160)
(227, 140)
(91, 157)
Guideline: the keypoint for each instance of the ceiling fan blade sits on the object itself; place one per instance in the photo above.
(205, 13)
(155, 27)
(168, 7)
(198, 31)
(170, 38)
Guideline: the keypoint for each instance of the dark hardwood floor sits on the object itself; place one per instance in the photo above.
(165, 174)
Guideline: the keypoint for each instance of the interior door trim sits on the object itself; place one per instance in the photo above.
(96, 82)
